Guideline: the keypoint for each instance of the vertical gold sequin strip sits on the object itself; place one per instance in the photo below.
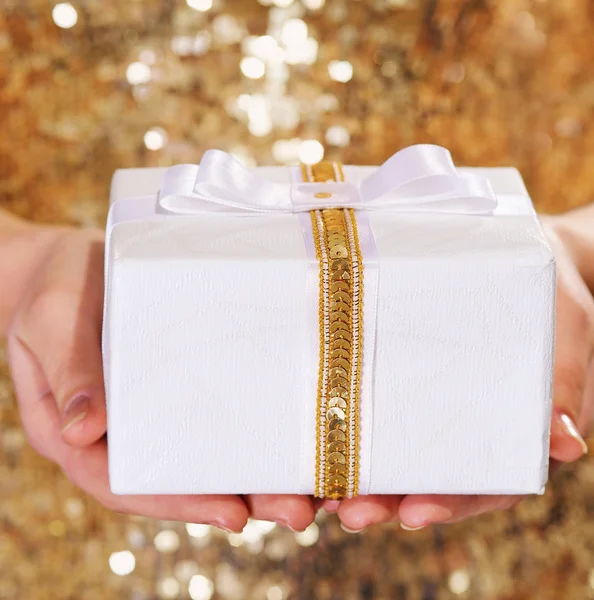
(340, 329)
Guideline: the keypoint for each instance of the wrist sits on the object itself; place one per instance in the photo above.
(23, 248)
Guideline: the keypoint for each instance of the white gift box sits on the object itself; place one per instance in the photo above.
(211, 377)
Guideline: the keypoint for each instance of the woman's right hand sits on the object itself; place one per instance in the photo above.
(54, 345)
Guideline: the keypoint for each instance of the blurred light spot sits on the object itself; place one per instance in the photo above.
(264, 47)
(137, 73)
(525, 20)
(197, 530)
(459, 581)
(167, 541)
(276, 549)
(390, 68)
(235, 539)
(148, 57)
(337, 135)
(274, 593)
(228, 584)
(286, 151)
(454, 73)
(282, 3)
(122, 563)
(57, 528)
(568, 127)
(340, 70)
(201, 5)
(200, 588)
(185, 570)
(155, 138)
(201, 43)
(304, 53)
(64, 15)
(591, 579)
(294, 31)
(252, 67)
(327, 102)
(313, 4)
(310, 536)
(169, 587)
(227, 29)
(260, 128)
(74, 508)
(135, 537)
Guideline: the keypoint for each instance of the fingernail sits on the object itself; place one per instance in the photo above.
(344, 528)
(428, 514)
(223, 527)
(75, 411)
(570, 429)
(286, 524)
(331, 506)
(407, 528)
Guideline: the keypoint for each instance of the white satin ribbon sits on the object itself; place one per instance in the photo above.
(420, 178)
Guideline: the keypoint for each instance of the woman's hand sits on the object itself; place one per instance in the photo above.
(573, 394)
(54, 346)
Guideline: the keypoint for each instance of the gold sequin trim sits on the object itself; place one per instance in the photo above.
(341, 336)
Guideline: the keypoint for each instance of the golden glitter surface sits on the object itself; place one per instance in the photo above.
(88, 86)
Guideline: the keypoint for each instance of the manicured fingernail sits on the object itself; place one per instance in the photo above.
(407, 528)
(344, 528)
(569, 427)
(75, 411)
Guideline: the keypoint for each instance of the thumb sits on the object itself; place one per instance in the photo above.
(55, 340)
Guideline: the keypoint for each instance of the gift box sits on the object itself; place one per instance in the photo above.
(329, 330)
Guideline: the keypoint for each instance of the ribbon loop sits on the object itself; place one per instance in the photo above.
(419, 178)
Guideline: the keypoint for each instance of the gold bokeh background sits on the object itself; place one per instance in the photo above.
(506, 82)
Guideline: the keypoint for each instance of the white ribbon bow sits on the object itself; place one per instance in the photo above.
(420, 178)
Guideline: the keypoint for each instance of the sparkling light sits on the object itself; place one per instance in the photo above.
(337, 135)
(274, 593)
(313, 4)
(286, 151)
(264, 47)
(340, 70)
(122, 563)
(185, 570)
(200, 588)
(227, 29)
(169, 587)
(312, 533)
(167, 541)
(64, 15)
(305, 52)
(294, 31)
(201, 5)
(155, 138)
(260, 127)
(137, 73)
(252, 67)
(197, 530)
(310, 153)
(459, 581)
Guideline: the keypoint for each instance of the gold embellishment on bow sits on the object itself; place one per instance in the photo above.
(341, 337)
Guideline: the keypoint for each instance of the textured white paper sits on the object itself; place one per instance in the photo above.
(205, 322)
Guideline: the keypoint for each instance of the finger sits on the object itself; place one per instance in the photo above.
(357, 513)
(419, 511)
(58, 331)
(573, 355)
(87, 468)
(292, 511)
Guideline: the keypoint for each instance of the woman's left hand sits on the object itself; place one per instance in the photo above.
(573, 399)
